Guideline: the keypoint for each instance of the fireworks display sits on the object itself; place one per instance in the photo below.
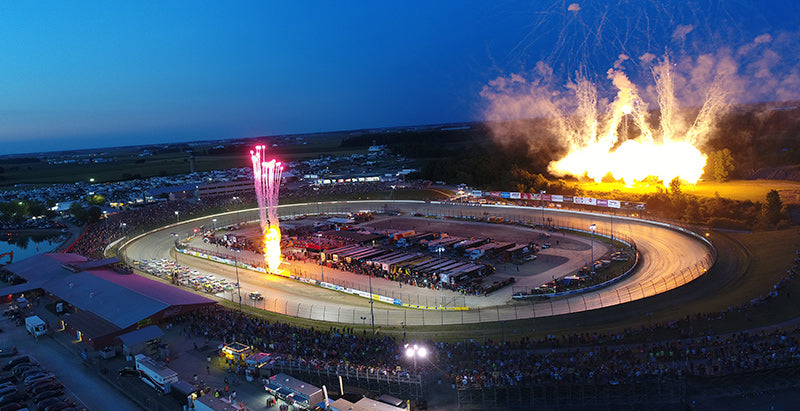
(622, 136)
(267, 178)
(665, 150)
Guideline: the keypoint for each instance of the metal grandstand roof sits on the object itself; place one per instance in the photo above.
(141, 335)
(121, 299)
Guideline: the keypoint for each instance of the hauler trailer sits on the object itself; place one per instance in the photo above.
(35, 326)
(155, 374)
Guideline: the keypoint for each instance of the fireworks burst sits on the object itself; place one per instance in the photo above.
(267, 178)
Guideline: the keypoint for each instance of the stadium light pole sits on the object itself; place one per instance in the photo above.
(415, 351)
(371, 301)
(612, 229)
(176, 247)
(592, 228)
(214, 220)
(541, 203)
(177, 216)
(319, 250)
(441, 283)
(238, 286)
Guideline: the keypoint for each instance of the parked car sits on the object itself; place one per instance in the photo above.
(7, 389)
(21, 368)
(6, 351)
(40, 378)
(32, 371)
(59, 406)
(47, 394)
(15, 396)
(11, 406)
(47, 402)
(44, 386)
(16, 361)
(129, 372)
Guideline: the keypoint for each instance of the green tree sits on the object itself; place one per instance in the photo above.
(96, 199)
(93, 214)
(78, 212)
(692, 213)
(675, 187)
(720, 165)
(772, 210)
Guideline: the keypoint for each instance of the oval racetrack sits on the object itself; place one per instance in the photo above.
(670, 258)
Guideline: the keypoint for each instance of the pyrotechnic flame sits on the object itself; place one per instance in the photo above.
(624, 136)
(267, 179)
(272, 248)
(605, 147)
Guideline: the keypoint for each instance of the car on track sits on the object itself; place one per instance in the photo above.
(256, 296)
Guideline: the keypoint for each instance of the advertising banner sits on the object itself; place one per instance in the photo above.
(557, 198)
(516, 196)
(614, 203)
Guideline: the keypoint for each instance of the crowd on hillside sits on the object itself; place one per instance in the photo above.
(322, 348)
(505, 363)
(98, 235)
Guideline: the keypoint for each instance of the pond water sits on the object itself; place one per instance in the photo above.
(24, 246)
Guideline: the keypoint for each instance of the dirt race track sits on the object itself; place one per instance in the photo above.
(671, 260)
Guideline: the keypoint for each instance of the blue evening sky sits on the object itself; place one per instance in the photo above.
(77, 74)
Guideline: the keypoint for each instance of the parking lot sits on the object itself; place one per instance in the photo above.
(50, 374)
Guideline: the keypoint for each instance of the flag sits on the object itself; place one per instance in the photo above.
(593, 227)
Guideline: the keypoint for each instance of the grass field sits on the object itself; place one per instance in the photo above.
(742, 190)
(127, 163)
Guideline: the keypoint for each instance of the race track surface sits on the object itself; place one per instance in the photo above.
(670, 258)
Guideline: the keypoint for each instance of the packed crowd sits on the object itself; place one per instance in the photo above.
(507, 363)
(525, 362)
(322, 348)
(98, 235)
